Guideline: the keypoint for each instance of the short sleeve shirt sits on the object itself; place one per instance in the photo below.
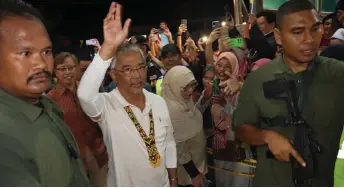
(322, 109)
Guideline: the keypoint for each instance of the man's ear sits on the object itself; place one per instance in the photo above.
(277, 34)
(113, 76)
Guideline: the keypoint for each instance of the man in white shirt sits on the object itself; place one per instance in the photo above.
(135, 123)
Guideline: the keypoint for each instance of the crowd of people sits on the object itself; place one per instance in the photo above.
(173, 111)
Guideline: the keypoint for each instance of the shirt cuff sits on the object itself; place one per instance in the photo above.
(171, 156)
(101, 63)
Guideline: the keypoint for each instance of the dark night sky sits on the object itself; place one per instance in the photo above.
(82, 19)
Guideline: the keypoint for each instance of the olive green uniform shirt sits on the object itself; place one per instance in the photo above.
(36, 145)
(323, 110)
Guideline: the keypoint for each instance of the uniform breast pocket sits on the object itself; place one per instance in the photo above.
(49, 147)
(324, 102)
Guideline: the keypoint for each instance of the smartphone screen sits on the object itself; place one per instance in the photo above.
(184, 21)
(236, 42)
(91, 42)
(216, 24)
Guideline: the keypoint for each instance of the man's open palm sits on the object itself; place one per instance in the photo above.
(114, 33)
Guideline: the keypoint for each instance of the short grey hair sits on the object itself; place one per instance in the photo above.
(127, 48)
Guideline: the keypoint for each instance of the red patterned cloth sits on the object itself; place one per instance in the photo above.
(219, 140)
(85, 131)
(222, 127)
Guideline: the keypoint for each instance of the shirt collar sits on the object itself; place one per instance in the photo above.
(31, 111)
(282, 67)
(125, 103)
(61, 90)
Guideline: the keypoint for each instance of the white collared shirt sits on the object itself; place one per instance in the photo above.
(128, 156)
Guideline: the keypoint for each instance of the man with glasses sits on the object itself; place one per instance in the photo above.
(135, 123)
(141, 42)
(87, 134)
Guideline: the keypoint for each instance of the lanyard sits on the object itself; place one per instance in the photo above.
(153, 153)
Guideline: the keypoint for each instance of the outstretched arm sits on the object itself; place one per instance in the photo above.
(114, 35)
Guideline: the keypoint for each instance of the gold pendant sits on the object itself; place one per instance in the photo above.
(155, 163)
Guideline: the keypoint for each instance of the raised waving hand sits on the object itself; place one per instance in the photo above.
(114, 33)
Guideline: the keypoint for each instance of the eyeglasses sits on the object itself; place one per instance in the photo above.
(64, 69)
(129, 70)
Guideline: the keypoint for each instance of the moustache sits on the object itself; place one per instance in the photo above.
(45, 73)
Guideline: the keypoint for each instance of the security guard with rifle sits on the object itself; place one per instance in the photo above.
(292, 108)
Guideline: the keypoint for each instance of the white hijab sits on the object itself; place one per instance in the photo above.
(186, 119)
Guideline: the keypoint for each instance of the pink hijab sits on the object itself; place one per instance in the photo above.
(233, 60)
(223, 123)
(260, 62)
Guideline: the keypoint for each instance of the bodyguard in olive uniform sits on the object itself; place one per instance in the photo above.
(320, 96)
(36, 147)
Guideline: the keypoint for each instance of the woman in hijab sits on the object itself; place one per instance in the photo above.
(229, 154)
(178, 86)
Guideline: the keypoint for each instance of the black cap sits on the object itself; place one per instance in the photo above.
(86, 53)
(138, 39)
(169, 48)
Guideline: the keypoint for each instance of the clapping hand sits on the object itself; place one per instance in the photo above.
(114, 33)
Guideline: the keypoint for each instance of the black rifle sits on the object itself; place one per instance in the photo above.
(304, 142)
